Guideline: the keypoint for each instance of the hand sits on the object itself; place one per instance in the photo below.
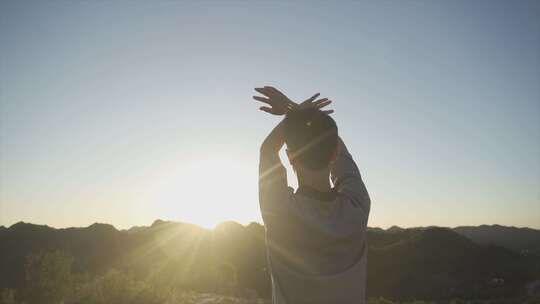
(318, 104)
(281, 104)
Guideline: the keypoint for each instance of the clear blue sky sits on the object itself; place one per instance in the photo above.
(130, 111)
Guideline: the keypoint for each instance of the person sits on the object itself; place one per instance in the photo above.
(316, 235)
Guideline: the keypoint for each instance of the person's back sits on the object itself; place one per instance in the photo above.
(315, 236)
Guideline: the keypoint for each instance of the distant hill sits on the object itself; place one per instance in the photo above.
(524, 240)
(426, 263)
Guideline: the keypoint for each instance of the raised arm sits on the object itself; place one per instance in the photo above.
(347, 180)
(272, 173)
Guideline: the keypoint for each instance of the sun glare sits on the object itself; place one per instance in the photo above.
(207, 192)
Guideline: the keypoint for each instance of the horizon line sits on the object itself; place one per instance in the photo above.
(253, 222)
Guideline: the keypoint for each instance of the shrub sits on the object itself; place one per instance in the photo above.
(48, 277)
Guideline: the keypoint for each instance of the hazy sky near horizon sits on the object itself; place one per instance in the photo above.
(124, 112)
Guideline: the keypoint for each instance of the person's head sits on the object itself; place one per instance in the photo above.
(312, 139)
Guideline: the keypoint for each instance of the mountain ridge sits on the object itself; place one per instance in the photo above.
(433, 262)
(520, 239)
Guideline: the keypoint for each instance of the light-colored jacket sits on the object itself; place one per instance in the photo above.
(316, 242)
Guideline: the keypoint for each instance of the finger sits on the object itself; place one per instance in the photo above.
(266, 109)
(322, 104)
(328, 111)
(262, 99)
(263, 91)
(270, 90)
(273, 90)
(323, 100)
(312, 98)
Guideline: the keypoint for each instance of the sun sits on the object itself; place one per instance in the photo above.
(208, 191)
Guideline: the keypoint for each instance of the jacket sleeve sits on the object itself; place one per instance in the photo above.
(274, 193)
(348, 182)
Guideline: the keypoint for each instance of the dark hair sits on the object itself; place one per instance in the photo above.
(311, 136)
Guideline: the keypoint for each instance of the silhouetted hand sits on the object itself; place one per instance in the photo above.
(317, 104)
(281, 104)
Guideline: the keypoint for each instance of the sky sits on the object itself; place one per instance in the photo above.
(128, 111)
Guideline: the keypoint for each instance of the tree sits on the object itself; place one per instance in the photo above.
(48, 277)
(7, 296)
